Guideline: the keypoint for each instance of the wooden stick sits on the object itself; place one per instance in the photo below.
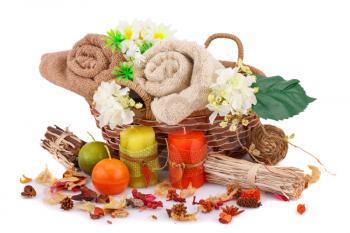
(63, 145)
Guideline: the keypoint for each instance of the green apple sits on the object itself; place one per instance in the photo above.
(90, 154)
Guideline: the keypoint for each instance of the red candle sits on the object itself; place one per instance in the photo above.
(187, 151)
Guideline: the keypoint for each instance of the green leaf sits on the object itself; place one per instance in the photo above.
(145, 46)
(124, 71)
(114, 39)
(278, 98)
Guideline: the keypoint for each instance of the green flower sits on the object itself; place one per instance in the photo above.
(124, 71)
(114, 39)
(145, 46)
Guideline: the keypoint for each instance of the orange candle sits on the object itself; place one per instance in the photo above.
(187, 151)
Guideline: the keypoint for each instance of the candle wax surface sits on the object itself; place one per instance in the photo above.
(187, 147)
(137, 138)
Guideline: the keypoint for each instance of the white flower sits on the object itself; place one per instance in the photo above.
(130, 31)
(132, 51)
(107, 103)
(231, 93)
(153, 32)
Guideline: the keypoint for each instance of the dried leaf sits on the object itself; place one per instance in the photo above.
(53, 198)
(86, 206)
(315, 174)
(183, 218)
(162, 188)
(115, 205)
(71, 181)
(102, 199)
(24, 179)
(45, 177)
(188, 192)
(119, 213)
(86, 194)
(134, 203)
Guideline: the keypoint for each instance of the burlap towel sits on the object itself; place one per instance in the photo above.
(83, 68)
(179, 73)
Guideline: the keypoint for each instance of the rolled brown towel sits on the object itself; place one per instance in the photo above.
(83, 68)
(178, 74)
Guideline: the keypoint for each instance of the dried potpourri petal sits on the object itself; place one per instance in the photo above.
(225, 218)
(314, 177)
(162, 188)
(178, 212)
(28, 191)
(119, 213)
(103, 199)
(232, 210)
(45, 177)
(114, 204)
(53, 198)
(227, 213)
(116, 208)
(301, 209)
(149, 200)
(86, 206)
(24, 179)
(86, 195)
(215, 202)
(134, 203)
(188, 192)
(97, 213)
(205, 205)
(173, 196)
(71, 181)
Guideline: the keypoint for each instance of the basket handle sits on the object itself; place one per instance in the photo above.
(147, 99)
(227, 36)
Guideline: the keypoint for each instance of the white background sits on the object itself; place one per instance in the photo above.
(307, 40)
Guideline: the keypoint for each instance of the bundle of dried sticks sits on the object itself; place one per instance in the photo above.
(286, 181)
(63, 145)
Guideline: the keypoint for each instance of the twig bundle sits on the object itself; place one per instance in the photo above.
(63, 145)
(286, 181)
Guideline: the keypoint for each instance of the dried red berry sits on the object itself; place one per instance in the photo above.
(301, 208)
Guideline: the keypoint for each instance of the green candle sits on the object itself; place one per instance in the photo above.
(139, 151)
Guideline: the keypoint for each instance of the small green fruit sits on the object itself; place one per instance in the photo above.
(90, 154)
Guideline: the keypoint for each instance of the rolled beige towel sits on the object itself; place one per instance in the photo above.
(81, 69)
(179, 74)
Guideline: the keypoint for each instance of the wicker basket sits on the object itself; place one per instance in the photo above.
(219, 139)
